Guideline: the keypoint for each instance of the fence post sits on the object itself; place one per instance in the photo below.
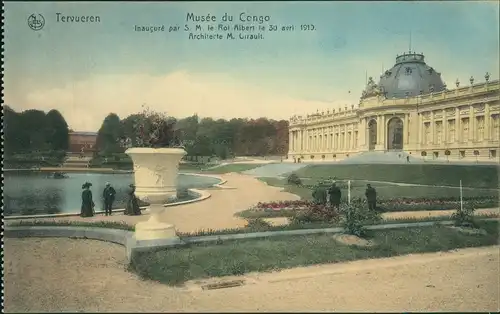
(349, 191)
(461, 197)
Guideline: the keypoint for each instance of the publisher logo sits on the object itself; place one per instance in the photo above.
(36, 21)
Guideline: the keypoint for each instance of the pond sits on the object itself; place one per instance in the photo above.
(37, 193)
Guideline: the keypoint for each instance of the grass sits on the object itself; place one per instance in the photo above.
(390, 191)
(237, 257)
(479, 176)
(238, 167)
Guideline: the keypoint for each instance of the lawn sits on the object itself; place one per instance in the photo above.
(478, 176)
(175, 266)
(385, 190)
(238, 167)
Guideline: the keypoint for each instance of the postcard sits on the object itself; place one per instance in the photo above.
(251, 156)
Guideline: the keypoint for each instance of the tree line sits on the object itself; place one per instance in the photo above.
(34, 130)
(205, 136)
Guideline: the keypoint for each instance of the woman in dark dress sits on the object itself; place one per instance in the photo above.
(87, 209)
(132, 207)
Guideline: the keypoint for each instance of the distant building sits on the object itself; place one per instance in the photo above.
(82, 142)
(410, 110)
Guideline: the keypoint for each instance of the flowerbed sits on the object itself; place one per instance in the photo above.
(288, 208)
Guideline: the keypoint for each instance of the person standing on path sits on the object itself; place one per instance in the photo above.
(132, 208)
(109, 197)
(334, 195)
(371, 197)
(319, 194)
(87, 209)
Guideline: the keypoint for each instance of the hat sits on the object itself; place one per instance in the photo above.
(132, 185)
(108, 184)
(86, 185)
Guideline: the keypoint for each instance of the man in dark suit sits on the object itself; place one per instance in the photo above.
(371, 197)
(109, 197)
(334, 195)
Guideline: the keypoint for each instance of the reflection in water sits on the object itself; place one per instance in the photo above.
(35, 193)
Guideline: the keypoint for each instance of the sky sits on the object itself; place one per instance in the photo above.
(88, 70)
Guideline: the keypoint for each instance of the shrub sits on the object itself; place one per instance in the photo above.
(315, 213)
(354, 216)
(182, 193)
(294, 179)
(465, 217)
(257, 224)
(319, 194)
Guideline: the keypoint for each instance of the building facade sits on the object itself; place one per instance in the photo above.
(82, 142)
(410, 110)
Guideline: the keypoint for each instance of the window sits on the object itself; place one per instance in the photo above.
(493, 153)
(465, 130)
(427, 132)
(495, 119)
(439, 128)
(480, 128)
(462, 154)
(451, 131)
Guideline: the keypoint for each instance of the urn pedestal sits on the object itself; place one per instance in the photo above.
(155, 176)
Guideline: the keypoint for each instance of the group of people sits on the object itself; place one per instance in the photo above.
(333, 195)
(108, 195)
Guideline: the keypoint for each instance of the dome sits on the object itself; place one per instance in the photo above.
(410, 77)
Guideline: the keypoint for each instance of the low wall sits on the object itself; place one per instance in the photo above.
(199, 195)
(132, 246)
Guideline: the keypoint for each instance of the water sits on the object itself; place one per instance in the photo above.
(34, 193)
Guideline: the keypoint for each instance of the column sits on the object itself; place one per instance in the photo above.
(383, 137)
(306, 141)
(406, 129)
(433, 129)
(363, 132)
(472, 125)
(420, 122)
(379, 130)
(487, 122)
(290, 141)
(458, 126)
(444, 137)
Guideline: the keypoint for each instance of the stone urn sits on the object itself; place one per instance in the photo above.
(155, 176)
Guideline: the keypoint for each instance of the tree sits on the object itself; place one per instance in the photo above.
(447, 153)
(14, 135)
(34, 123)
(109, 135)
(188, 128)
(57, 131)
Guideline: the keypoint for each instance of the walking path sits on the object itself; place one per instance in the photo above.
(217, 212)
(56, 275)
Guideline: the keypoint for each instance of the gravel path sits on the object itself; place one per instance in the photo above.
(82, 275)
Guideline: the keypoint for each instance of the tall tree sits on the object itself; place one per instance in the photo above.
(14, 135)
(109, 135)
(57, 131)
(34, 123)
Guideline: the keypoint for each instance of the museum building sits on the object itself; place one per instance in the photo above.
(410, 110)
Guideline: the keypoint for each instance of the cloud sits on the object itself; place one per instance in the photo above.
(84, 104)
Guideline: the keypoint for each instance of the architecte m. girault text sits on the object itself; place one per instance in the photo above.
(244, 27)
